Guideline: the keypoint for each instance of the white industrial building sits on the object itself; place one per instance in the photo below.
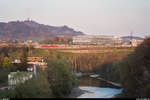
(18, 77)
(97, 39)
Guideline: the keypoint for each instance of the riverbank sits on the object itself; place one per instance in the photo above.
(118, 96)
(97, 76)
(75, 93)
(92, 87)
(94, 92)
(98, 92)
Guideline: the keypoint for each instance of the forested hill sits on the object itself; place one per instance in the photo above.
(32, 30)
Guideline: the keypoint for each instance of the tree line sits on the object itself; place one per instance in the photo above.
(57, 40)
(55, 81)
(133, 72)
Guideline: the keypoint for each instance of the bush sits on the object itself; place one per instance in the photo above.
(109, 71)
(3, 77)
(37, 87)
(60, 77)
(135, 71)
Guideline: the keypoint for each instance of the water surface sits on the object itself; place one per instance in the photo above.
(95, 88)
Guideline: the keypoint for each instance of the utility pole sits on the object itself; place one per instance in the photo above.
(131, 37)
(6, 33)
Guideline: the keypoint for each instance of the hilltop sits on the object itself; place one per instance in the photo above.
(128, 38)
(29, 29)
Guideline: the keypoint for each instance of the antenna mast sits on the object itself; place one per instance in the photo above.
(6, 33)
(131, 37)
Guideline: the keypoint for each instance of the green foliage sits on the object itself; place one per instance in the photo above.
(70, 42)
(3, 77)
(77, 62)
(147, 90)
(60, 80)
(60, 77)
(6, 63)
(5, 93)
(1, 59)
(109, 71)
(135, 71)
(57, 40)
(23, 66)
(37, 87)
(115, 72)
(5, 51)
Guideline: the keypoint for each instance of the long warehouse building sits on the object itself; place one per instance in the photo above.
(97, 39)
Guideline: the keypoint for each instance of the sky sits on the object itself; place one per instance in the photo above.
(103, 17)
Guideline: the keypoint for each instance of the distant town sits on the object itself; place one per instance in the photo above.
(81, 41)
(74, 49)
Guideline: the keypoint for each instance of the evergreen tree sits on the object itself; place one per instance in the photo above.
(23, 59)
(60, 76)
(135, 72)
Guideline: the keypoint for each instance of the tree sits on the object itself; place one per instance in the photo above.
(37, 87)
(135, 71)
(5, 51)
(3, 77)
(24, 64)
(1, 59)
(6, 63)
(60, 77)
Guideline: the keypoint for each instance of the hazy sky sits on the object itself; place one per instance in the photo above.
(108, 17)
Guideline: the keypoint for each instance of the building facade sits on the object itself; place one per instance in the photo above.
(135, 42)
(18, 77)
(41, 63)
(97, 39)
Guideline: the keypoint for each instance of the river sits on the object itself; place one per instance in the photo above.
(94, 88)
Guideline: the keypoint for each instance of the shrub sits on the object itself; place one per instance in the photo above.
(135, 71)
(37, 87)
(60, 77)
